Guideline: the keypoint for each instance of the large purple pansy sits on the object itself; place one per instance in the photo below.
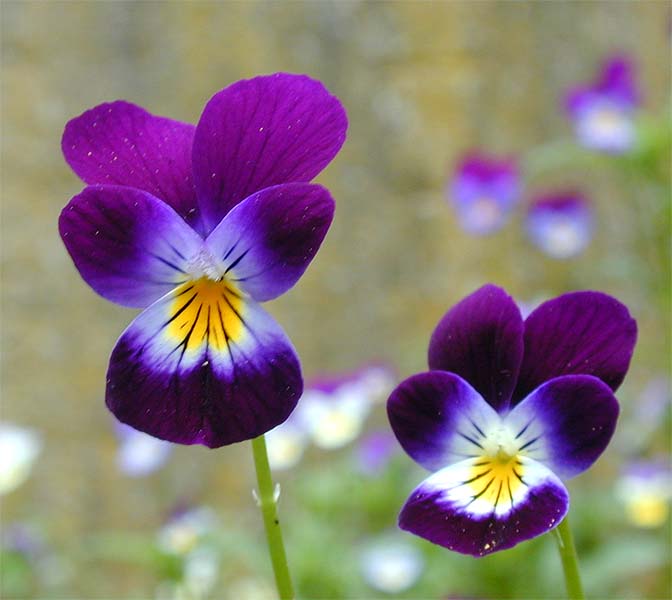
(197, 225)
(508, 408)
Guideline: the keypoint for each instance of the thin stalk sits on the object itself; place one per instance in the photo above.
(570, 562)
(269, 510)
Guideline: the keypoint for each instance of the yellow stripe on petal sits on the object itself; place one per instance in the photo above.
(206, 312)
(495, 480)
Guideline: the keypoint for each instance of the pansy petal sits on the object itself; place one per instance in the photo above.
(439, 418)
(261, 132)
(128, 246)
(586, 333)
(468, 509)
(121, 143)
(566, 423)
(481, 339)
(203, 365)
(267, 241)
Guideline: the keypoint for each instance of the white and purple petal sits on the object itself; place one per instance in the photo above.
(119, 143)
(478, 507)
(566, 423)
(261, 132)
(203, 365)
(440, 419)
(128, 245)
(586, 332)
(560, 224)
(481, 339)
(267, 241)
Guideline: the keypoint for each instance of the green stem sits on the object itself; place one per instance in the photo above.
(269, 510)
(570, 563)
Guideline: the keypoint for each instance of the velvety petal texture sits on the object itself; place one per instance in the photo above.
(261, 132)
(203, 365)
(481, 340)
(578, 333)
(478, 508)
(566, 423)
(129, 246)
(121, 143)
(439, 418)
(267, 241)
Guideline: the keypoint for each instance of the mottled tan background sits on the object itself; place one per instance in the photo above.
(422, 82)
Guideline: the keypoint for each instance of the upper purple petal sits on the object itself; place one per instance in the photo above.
(121, 143)
(566, 423)
(481, 339)
(267, 241)
(439, 418)
(261, 132)
(129, 246)
(587, 333)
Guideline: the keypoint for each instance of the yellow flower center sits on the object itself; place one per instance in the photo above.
(205, 311)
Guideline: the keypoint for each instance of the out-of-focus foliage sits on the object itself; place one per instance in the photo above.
(423, 83)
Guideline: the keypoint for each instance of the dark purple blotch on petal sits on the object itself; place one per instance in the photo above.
(426, 514)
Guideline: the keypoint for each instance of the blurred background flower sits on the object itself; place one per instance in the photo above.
(390, 563)
(645, 489)
(603, 111)
(484, 189)
(19, 448)
(139, 454)
(560, 224)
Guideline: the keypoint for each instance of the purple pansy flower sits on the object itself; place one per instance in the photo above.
(483, 191)
(603, 110)
(560, 224)
(197, 225)
(509, 407)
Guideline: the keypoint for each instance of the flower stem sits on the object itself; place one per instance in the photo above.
(269, 510)
(570, 563)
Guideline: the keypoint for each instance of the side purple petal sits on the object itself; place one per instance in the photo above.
(261, 132)
(481, 514)
(587, 333)
(128, 246)
(203, 366)
(566, 423)
(439, 418)
(481, 339)
(123, 144)
(267, 241)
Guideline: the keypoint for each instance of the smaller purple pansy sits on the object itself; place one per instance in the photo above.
(483, 191)
(560, 224)
(508, 408)
(198, 225)
(603, 111)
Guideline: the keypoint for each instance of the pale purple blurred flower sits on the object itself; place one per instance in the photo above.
(484, 189)
(391, 565)
(602, 111)
(375, 451)
(140, 454)
(560, 224)
(645, 489)
(19, 449)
